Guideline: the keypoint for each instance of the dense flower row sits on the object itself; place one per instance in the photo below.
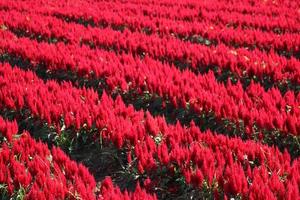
(30, 167)
(204, 26)
(130, 47)
(32, 171)
(194, 14)
(216, 16)
(217, 33)
(192, 10)
(233, 166)
(110, 192)
(189, 13)
(264, 9)
(199, 13)
(239, 61)
(268, 110)
(260, 22)
(214, 32)
(279, 4)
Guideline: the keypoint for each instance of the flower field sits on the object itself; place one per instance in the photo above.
(149, 99)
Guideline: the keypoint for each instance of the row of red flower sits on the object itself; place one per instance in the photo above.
(255, 5)
(228, 35)
(264, 23)
(184, 8)
(287, 24)
(182, 12)
(240, 61)
(228, 166)
(191, 12)
(212, 31)
(29, 168)
(268, 110)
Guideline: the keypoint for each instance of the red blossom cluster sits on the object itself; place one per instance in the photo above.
(41, 173)
(275, 6)
(29, 168)
(266, 109)
(286, 24)
(165, 25)
(110, 192)
(231, 164)
(142, 46)
(190, 12)
(240, 61)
